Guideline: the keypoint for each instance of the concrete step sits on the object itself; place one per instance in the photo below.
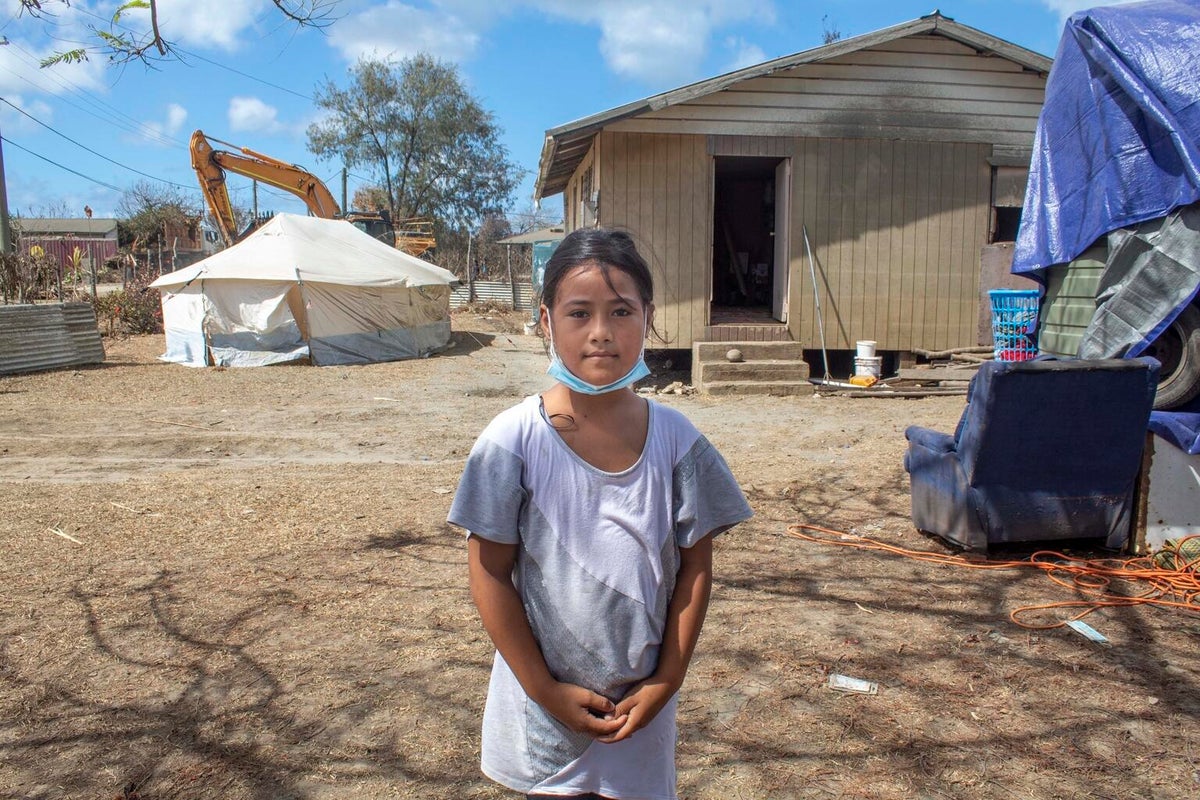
(709, 371)
(782, 388)
(751, 351)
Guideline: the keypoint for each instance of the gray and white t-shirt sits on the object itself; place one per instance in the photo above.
(595, 569)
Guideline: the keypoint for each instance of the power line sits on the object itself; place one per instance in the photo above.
(93, 152)
(96, 181)
(135, 127)
(228, 68)
(182, 52)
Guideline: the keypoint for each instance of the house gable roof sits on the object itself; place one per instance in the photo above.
(67, 226)
(565, 146)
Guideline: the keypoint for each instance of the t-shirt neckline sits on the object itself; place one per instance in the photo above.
(558, 440)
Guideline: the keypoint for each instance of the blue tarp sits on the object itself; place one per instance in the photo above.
(1118, 140)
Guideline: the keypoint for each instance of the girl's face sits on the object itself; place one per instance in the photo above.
(598, 333)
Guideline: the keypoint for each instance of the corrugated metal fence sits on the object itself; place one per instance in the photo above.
(493, 292)
(51, 336)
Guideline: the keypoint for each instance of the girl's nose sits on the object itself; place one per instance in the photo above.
(600, 329)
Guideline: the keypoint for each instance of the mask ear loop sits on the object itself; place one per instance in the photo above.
(550, 331)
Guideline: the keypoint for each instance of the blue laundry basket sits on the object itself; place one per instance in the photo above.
(1014, 323)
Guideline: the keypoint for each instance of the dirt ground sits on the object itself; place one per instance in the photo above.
(239, 584)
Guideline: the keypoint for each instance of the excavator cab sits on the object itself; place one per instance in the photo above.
(377, 226)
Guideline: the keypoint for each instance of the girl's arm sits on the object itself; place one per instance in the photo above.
(490, 568)
(685, 618)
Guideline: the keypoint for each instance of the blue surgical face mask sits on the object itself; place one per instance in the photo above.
(558, 370)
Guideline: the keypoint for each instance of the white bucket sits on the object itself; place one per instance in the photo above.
(866, 348)
(872, 365)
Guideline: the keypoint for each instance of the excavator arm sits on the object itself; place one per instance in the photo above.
(211, 165)
(414, 236)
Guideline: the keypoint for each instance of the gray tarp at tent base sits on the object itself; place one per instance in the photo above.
(302, 287)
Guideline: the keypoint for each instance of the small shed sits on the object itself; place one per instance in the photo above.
(891, 158)
(91, 240)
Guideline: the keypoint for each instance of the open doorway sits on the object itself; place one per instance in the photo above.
(749, 269)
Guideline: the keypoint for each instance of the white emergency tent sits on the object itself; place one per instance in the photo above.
(302, 287)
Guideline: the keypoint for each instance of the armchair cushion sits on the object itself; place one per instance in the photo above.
(1045, 449)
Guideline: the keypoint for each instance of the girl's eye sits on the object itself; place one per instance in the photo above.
(622, 312)
(577, 314)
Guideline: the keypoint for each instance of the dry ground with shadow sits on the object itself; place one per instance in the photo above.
(238, 584)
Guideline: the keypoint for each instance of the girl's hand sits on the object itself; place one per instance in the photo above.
(640, 706)
(582, 710)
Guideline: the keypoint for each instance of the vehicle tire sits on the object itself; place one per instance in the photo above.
(1178, 349)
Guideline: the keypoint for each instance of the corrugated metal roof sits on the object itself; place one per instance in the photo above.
(41, 337)
(550, 234)
(566, 145)
(82, 226)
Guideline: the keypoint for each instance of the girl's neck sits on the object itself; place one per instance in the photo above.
(565, 399)
(607, 430)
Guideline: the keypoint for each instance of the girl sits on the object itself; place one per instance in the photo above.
(591, 513)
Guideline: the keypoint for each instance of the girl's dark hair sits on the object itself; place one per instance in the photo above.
(609, 249)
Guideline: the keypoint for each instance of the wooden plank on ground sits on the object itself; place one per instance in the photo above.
(937, 374)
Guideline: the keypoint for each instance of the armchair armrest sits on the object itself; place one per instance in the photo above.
(932, 440)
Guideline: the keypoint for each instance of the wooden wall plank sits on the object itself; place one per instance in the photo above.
(895, 227)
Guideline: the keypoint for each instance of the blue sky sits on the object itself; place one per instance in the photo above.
(247, 75)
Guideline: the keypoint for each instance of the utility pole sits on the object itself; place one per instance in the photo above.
(6, 242)
(345, 208)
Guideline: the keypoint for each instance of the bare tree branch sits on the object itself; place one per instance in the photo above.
(122, 46)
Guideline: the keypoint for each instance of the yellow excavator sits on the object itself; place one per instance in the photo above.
(414, 236)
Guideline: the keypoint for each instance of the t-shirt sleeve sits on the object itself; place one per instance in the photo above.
(489, 497)
(708, 499)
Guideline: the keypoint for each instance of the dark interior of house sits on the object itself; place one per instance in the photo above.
(743, 231)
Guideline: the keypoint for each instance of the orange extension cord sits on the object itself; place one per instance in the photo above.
(1176, 585)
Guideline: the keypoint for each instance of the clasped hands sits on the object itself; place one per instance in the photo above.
(585, 711)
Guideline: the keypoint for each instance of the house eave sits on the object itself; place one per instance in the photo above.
(566, 145)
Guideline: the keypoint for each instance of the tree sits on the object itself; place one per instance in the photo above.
(428, 143)
(122, 45)
(370, 198)
(533, 217)
(829, 31)
(146, 209)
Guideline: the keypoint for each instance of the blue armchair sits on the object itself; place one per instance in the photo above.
(1045, 449)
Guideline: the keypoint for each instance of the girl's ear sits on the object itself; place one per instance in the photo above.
(649, 319)
(544, 319)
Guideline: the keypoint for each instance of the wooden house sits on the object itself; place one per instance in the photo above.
(892, 158)
(84, 241)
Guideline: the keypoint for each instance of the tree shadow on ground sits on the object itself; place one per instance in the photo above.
(179, 705)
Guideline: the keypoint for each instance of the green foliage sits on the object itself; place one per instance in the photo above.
(435, 151)
(135, 309)
(76, 56)
(146, 208)
(143, 4)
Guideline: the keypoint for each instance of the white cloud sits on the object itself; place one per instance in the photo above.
(662, 42)
(252, 114)
(200, 23)
(396, 30)
(1066, 8)
(745, 54)
(14, 120)
(654, 41)
(161, 133)
(21, 72)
